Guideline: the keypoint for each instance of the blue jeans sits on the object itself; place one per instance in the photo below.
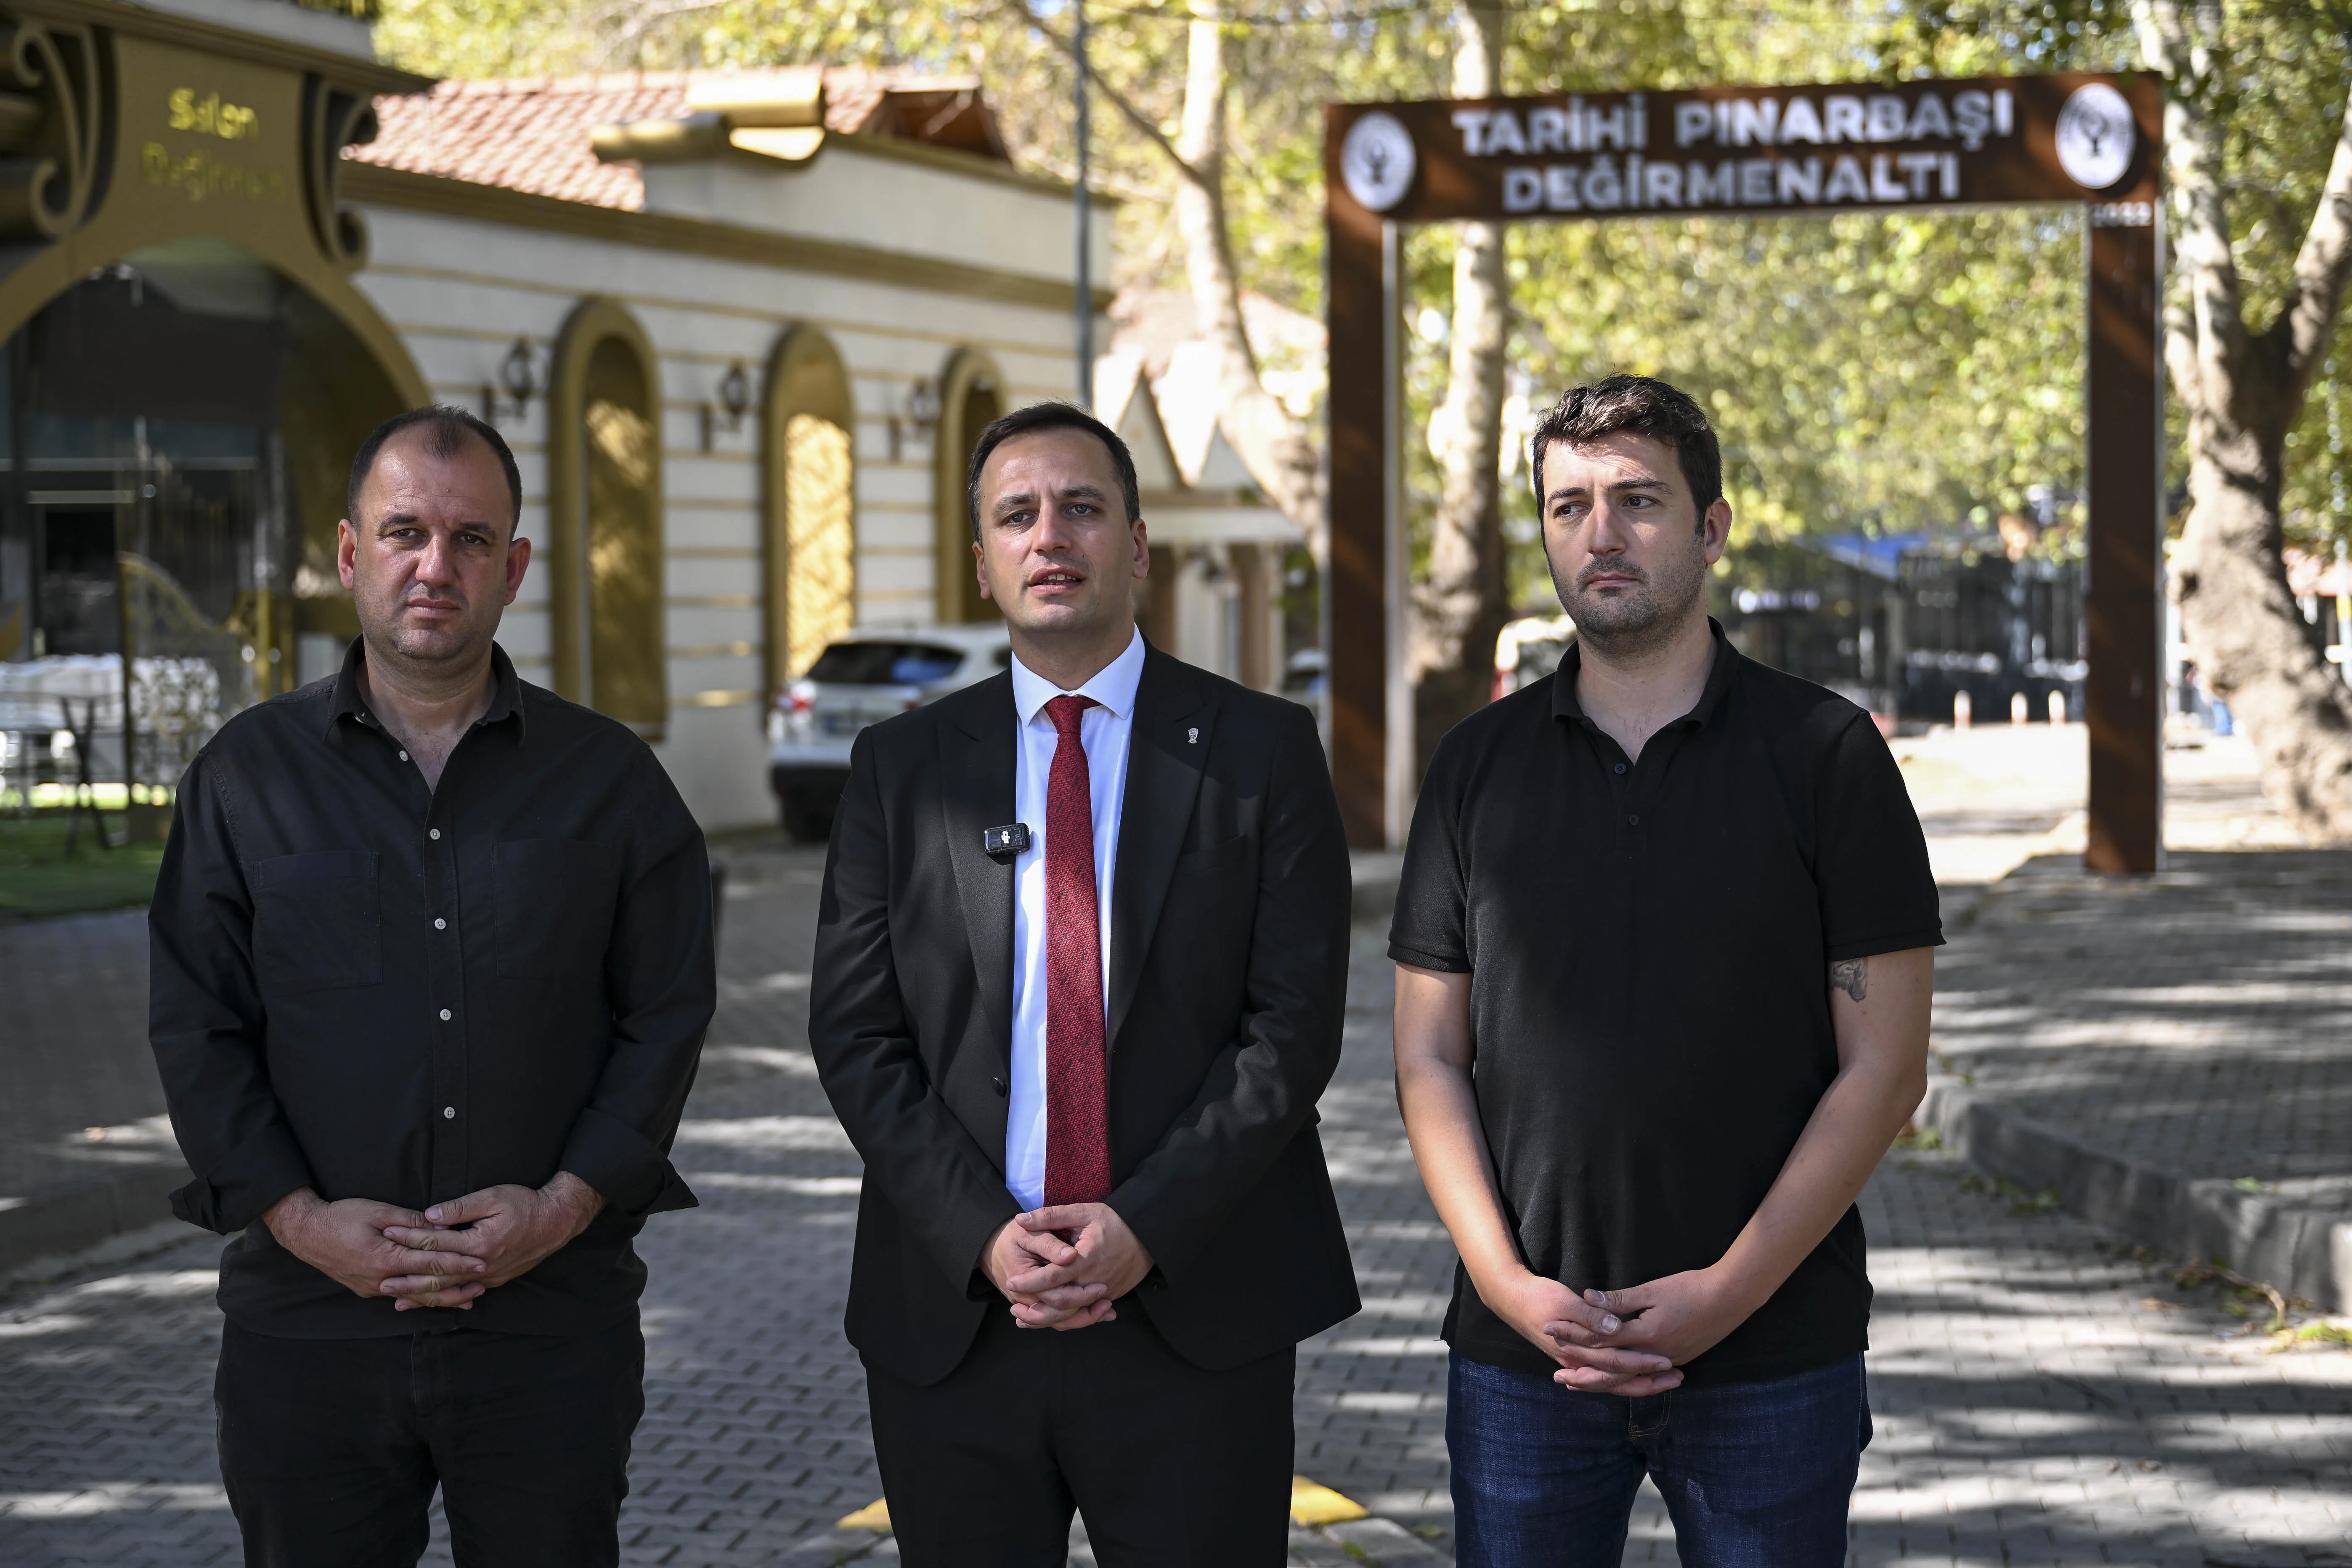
(1755, 1475)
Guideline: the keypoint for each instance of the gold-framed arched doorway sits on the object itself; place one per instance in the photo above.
(971, 396)
(808, 504)
(176, 430)
(604, 518)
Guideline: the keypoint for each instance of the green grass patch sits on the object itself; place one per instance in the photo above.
(38, 877)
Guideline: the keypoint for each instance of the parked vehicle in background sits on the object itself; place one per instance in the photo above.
(861, 678)
(1528, 648)
(1307, 679)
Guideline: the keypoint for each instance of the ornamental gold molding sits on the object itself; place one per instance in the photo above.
(53, 125)
(334, 117)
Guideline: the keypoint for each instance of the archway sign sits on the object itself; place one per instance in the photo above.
(2091, 140)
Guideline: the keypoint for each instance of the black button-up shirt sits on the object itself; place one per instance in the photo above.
(1649, 943)
(378, 990)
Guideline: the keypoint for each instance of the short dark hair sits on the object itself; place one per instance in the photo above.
(1638, 406)
(1039, 417)
(445, 430)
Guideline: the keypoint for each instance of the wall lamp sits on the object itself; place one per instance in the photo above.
(922, 411)
(518, 381)
(734, 402)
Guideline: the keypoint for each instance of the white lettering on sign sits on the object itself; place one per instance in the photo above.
(1971, 117)
(1607, 162)
(1606, 185)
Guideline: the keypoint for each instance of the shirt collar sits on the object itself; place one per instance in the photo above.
(1564, 704)
(506, 690)
(1113, 686)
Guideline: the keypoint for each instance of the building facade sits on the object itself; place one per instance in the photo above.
(739, 329)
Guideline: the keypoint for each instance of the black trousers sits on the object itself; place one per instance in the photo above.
(1173, 1466)
(331, 1448)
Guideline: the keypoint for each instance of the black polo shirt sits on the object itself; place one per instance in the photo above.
(380, 989)
(1649, 944)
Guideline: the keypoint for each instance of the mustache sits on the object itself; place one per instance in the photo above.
(1612, 568)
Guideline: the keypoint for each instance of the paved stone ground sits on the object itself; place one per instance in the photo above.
(2042, 1397)
(2201, 1019)
(73, 1049)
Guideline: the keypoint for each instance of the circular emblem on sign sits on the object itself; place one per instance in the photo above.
(1377, 161)
(2096, 136)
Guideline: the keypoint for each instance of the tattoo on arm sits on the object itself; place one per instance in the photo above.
(1851, 976)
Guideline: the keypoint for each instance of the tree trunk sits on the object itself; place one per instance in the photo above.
(2242, 391)
(1265, 435)
(2252, 644)
(1461, 605)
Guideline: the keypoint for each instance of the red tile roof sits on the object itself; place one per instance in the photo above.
(531, 135)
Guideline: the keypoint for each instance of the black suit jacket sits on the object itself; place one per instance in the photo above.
(1229, 967)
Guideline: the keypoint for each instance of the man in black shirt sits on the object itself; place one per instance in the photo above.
(1665, 949)
(431, 968)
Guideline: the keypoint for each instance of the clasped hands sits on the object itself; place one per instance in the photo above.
(1063, 1268)
(445, 1256)
(1631, 1342)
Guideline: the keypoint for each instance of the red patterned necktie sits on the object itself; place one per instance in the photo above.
(1077, 1123)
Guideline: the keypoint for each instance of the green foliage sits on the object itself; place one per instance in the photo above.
(38, 877)
(1879, 372)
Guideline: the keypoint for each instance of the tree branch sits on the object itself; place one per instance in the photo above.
(2170, 43)
(2306, 322)
(1144, 124)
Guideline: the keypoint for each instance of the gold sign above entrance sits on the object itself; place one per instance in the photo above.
(230, 135)
(209, 116)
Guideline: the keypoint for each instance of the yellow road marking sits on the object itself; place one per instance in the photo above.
(874, 1515)
(1311, 1503)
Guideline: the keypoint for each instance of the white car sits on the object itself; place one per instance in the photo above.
(864, 677)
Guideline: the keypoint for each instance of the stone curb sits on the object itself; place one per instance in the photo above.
(62, 1220)
(2306, 1253)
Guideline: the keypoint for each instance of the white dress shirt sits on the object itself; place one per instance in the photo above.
(1103, 731)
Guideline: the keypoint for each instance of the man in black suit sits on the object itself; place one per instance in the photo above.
(1079, 977)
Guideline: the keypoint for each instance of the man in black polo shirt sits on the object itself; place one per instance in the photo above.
(1664, 948)
(431, 967)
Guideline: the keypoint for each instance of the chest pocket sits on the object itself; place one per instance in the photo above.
(555, 901)
(317, 921)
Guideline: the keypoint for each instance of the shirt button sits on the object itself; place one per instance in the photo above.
(432, 832)
(1621, 767)
(1634, 817)
(448, 1113)
(445, 1015)
(403, 756)
(440, 925)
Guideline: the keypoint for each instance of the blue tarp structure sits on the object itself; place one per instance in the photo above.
(1881, 557)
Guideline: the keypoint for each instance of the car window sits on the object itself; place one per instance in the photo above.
(884, 664)
(918, 664)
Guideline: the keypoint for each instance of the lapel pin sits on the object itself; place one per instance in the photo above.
(1193, 737)
(1005, 842)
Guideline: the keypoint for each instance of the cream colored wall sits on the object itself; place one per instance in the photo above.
(460, 292)
(852, 191)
